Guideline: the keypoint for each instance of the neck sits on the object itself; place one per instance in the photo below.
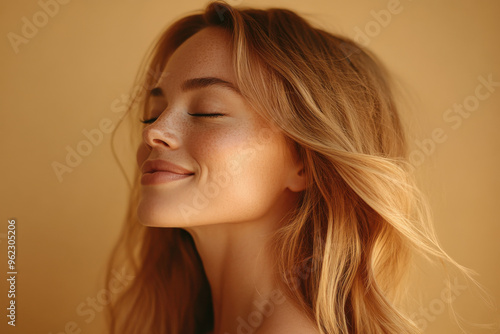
(239, 268)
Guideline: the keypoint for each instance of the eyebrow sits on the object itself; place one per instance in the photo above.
(198, 83)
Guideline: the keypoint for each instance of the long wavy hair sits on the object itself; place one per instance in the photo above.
(344, 253)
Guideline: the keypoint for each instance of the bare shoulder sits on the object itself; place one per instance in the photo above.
(288, 320)
(289, 327)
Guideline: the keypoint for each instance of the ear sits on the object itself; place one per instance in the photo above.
(297, 177)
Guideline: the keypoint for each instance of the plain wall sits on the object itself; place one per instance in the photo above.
(75, 71)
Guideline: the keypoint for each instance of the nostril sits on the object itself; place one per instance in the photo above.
(159, 141)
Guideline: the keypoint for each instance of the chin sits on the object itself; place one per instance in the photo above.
(149, 215)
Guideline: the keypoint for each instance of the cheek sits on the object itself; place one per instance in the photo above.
(241, 172)
(262, 164)
(234, 150)
(212, 148)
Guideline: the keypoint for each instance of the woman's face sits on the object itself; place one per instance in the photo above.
(235, 168)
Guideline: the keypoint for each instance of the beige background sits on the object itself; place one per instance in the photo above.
(75, 70)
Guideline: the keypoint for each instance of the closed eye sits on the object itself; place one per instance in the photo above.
(208, 115)
(151, 120)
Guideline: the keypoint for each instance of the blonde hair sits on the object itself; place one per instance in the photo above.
(345, 251)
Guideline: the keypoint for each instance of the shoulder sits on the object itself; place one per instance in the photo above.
(282, 329)
(295, 327)
(288, 320)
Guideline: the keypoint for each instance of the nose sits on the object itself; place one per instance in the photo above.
(160, 134)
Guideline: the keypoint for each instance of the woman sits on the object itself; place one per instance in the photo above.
(274, 165)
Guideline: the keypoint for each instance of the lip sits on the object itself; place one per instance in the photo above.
(151, 166)
(161, 171)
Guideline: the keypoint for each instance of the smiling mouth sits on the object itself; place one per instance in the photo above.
(167, 171)
(161, 177)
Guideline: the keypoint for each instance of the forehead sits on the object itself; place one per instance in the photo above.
(205, 54)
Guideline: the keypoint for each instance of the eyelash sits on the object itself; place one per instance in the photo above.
(214, 115)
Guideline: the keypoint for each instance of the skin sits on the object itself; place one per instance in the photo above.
(231, 226)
